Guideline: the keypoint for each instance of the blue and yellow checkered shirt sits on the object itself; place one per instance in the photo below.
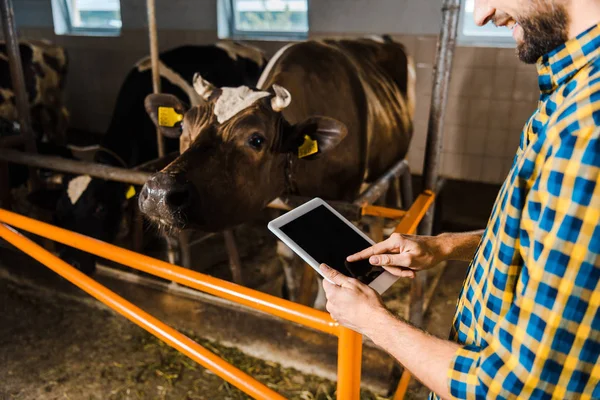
(528, 316)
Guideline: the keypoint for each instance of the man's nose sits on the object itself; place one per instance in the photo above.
(483, 12)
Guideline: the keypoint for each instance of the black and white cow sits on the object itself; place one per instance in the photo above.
(94, 207)
(44, 70)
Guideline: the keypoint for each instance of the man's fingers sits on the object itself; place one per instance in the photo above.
(378, 248)
(400, 272)
(333, 275)
(396, 260)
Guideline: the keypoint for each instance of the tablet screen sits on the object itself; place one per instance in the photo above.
(329, 240)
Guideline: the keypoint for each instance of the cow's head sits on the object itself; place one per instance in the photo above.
(235, 146)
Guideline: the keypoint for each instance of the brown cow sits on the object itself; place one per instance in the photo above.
(355, 98)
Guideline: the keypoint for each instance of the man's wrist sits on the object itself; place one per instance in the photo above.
(381, 322)
(443, 246)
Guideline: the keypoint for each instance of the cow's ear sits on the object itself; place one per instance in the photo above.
(166, 111)
(315, 136)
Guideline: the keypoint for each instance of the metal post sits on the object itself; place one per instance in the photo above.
(154, 60)
(406, 189)
(16, 72)
(235, 264)
(379, 187)
(443, 67)
(435, 130)
(349, 364)
(18, 81)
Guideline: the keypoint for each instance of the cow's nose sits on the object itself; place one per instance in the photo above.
(164, 193)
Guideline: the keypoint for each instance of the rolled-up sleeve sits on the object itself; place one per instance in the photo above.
(547, 343)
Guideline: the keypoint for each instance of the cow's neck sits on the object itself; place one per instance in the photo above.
(291, 188)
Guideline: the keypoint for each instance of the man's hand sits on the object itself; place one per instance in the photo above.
(403, 255)
(352, 303)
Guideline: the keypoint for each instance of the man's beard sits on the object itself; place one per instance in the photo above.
(543, 32)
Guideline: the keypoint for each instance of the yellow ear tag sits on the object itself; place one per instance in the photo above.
(308, 148)
(168, 117)
(130, 192)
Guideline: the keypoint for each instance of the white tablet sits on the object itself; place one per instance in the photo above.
(320, 235)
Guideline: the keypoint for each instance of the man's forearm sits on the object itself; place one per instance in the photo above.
(427, 358)
(458, 246)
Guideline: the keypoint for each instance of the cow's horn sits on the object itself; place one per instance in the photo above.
(282, 98)
(203, 87)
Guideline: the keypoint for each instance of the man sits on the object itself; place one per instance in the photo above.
(527, 322)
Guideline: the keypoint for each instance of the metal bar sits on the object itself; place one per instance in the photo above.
(378, 189)
(75, 167)
(16, 73)
(349, 364)
(12, 141)
(406, 189)
(139, 317)
(441, 82)
(415, 213)
(306, 316)
(235, 263)
(378, 211)
(402, 385)
(154, 60)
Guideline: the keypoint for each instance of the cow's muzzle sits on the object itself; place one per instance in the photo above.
(166, 199)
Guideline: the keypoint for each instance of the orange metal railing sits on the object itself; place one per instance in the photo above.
(136, 315)
(349, 342)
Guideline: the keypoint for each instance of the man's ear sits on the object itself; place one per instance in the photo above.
(166, 111)
(314, 137)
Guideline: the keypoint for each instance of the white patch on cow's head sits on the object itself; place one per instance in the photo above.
(77, 186)
(233, 100)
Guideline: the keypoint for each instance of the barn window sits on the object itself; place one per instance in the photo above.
(87, 17)
(263, 19)
(489, 35)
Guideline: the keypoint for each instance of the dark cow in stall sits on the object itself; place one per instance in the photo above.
(44, 71)
(351, 101)
(94, 207)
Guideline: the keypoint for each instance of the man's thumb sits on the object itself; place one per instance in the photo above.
(333, 275)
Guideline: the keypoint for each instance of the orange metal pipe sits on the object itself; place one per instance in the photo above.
(402, 385)
(138, 316)
(349, 364)
(377, 211)
(415, 213)
(252, 298)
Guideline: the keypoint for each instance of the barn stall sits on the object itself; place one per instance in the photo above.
(301, 359)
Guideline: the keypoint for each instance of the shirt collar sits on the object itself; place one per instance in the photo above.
(559, 66)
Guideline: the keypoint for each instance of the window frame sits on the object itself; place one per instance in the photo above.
(231, 31)
(479, 40)
(61, 13)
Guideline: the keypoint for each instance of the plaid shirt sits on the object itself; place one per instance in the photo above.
(528, 315)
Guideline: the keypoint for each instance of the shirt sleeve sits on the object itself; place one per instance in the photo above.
(547, 343)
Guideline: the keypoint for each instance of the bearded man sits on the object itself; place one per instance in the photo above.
(527, 322)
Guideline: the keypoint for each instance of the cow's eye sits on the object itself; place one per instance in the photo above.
(256, 141)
